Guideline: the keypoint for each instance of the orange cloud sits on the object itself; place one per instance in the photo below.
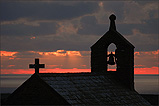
(146, 59)
(73, 53)
(11, 65)
(17, 71)
(73, 59)
(33, 37)
(6, 53)
(53, 66)
(11, 58)
(137, 53)
(57, 53)
(61, 53)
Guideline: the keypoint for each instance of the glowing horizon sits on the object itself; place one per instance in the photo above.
(62, 61)
(153, 70)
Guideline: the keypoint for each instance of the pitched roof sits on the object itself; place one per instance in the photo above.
(107, 37)
(92, 89)
(112, 36)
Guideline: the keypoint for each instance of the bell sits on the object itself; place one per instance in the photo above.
(111, 59)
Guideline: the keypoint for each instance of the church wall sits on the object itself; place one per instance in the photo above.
(98, 61)
(124, 54)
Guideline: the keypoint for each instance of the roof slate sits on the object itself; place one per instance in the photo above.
(92, 89)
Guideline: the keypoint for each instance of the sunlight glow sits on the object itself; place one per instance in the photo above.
(153, 70)
(62, 53)
(33, 37)
(145, 62)
(6, 53)
(73, 53)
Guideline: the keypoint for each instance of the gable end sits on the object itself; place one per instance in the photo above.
(35, 91)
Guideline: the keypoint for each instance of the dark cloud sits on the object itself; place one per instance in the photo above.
(146, 47)
(145, 1)
(125, 29)
(116, 7)
(89, 26)
(27, 30)
(40, 44)
(151, 26)
(44, 10)
(152, 13)
(16, 43)
(143, 42)
(16, 37)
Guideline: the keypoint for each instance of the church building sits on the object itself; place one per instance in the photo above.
(100, 87)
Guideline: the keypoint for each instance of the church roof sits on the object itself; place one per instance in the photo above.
(74, 89)
(92, 89)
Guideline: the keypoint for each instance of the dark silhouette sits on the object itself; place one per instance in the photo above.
(124, 55)
(112, 22)
(96, 88)
(37, 65)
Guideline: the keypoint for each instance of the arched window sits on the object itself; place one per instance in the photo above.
(111, 48)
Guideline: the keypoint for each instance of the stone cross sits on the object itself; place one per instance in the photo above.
(36, 65)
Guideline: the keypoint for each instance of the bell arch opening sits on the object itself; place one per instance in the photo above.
(111, 58)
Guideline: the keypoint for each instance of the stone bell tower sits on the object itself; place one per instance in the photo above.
(124, 55)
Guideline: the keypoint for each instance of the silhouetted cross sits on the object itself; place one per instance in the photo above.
(36, 65)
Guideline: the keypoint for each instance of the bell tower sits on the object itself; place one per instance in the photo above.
(124, 55)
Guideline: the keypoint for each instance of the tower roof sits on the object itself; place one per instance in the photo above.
(112, 22)
(112, 36)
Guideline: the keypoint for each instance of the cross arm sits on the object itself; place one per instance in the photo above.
(41, 65)
(31, 65)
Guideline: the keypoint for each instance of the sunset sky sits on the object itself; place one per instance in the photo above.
(61, 33)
